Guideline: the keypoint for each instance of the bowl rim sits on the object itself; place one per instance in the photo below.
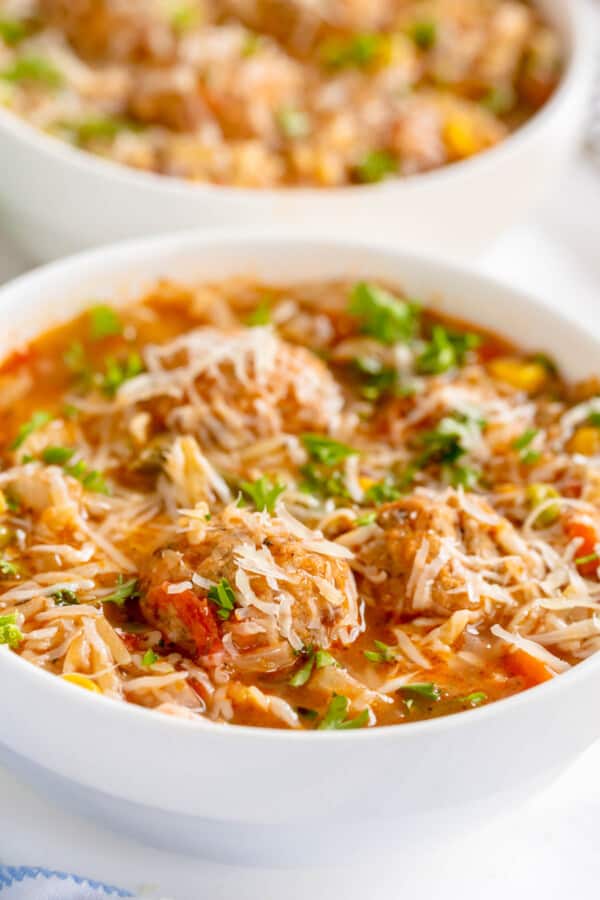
(31, 285)
(576, 36)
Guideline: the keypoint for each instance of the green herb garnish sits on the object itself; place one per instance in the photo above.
(91, 479)
(8, 569)
(65, 597)
(10, 633)
(428, 690)
(379, 379)
(263, 493)
(325, 450)
(383, 653)
(383, 315)
(57, 456)
(383, 492)
(261, 315)
(117, 372)
(149, 658)
(13, 31)
(185, 18)
(97, 128)
(475, 699)
(360, 50)
(104, 322)
(424, 34)
(446, 350)
(294, 123)
(335, 717)
(323, 483)
(367, 519)
(223, 597)
(583, 560)
(124, 590)
(35, 69)
(375, 166)
(526, 454)
(315, 659)
(37, 420)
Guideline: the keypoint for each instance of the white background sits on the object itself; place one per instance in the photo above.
(547, 849)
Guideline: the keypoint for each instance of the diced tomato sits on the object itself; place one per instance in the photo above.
(582, 527)
(16, 359)
(185, 619)
(533, 670)
(489, 350)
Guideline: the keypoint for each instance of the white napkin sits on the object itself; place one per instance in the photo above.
(24, 883)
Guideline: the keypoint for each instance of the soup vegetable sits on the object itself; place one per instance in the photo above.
(266, 93)
(317, 506)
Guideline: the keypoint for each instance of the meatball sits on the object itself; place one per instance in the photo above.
(112, 29)
(229, 389)
(262, 587)
(435, 554)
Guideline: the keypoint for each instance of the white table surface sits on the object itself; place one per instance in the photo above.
(548, 849)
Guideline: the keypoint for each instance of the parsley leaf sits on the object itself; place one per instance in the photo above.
(315, 659)
(117, 372)
(263, 493)
(446, 350)
(383, 492)
(8, 569)
(376, 166)
(149, 658)
(324, 484)
(475, 699)
(76, 362)
(427, 690)
(335, 716)
(65, 597)
(359, 50)
(13, 31)
(261, 315)
(57, 456)
(34, 69)
(104, 322)
(124, 590)
(10, 633)
(325, 450)
(382, 654)
(522, 444)
(378, 379)
(424, 34)
(223, 597)
(91, 479)
(383, 315)
(368, 519)
(38, 420)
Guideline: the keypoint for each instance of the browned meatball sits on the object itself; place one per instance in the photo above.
(276, 588)
(435, 554)
(230, 388)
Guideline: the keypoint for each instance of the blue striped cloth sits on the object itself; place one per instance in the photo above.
(24, 883)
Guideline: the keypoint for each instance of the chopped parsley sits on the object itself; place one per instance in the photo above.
(124, 590)
(424, 34)
(10, 633)
(65, 597)
(57, 456)
(97, 128)
(325, 450)
(475, 699)
(117, 372)
(368, 519)
(293, 123)
(185, 18)
(8, 569)
(261, 315)
(443, 445)
(37, 420)
(77, 363)
(335, 718)
(315, 659)
(499, 99)
(522, 444)
(263, 493)
(383, 653)
(307, 713)
(326, 483)
(427, 690)
(445, 350)
(584, 560)
(149, 658)
(35, 69)
(375, 166)
(382, 315)
(359, 50)
(383, 492)
(594, 419)
(223, 597)
(378, 379)
(104, 322)
(91, 479)
(13, 31)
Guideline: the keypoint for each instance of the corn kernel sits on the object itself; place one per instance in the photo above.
(525, 376)
(461, 137)
(538, 494)
(586, 441)
(366, 483)
(3, 504)
(82, 681)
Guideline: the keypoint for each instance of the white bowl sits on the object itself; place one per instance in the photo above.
(58, 200)
(256, 794)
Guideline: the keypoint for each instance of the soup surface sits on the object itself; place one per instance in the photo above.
(311, 506)
(265, 93)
